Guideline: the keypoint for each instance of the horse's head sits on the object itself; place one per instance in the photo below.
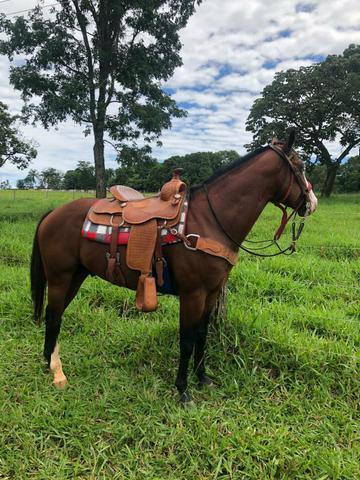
(297, 191)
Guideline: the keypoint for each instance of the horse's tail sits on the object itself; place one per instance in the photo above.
(37, 276)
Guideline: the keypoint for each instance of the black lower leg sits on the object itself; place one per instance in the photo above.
(199, 354)
(187, 340)
(52, 329)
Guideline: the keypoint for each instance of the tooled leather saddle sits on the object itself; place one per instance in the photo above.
(145, 217)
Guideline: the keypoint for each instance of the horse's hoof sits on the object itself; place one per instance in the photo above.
(206, 381)
(60, 383)
(186, 400)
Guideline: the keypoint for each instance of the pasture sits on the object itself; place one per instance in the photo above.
(286, 362)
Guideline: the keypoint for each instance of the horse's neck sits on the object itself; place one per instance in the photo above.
(239, 197)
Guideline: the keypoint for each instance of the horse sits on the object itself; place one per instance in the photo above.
(224, 208)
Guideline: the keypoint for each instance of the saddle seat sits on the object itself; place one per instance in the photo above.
(130, 207)
(145, 217)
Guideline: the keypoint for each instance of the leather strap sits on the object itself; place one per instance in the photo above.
(159, 264)
(113, 268)
(212, 247)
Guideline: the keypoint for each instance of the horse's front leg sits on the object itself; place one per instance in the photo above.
(200, 341)
(191, 315)
(199, 353)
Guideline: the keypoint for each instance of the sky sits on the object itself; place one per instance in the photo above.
(231, 51)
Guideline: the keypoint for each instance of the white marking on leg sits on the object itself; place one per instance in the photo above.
(56, 368)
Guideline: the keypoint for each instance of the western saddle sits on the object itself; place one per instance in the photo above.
(145, 217)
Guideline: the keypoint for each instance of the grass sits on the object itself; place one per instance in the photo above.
(286, 361)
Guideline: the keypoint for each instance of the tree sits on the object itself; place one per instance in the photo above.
(321, 101)
(198, 166)
(13, 147)
(5, 185)
(139, 170)
(82, 178)
(50, 178)
(30, 181)
(349, 176)
(100, 63)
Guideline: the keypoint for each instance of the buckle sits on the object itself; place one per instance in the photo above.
(188, 245)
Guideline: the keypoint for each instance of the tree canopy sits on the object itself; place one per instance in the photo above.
(321, 101)
(13, 147)
(100, 63)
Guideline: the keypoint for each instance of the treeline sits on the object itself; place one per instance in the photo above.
(147, 174)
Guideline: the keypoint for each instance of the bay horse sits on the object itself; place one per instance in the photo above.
(223, 208)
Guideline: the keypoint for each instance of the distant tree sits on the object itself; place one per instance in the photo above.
(5, 185)
(100, 63)
(70, 180)
(82, 178)
(349, 176)
(138, 170)
(110, 174)
(321, 101)
(13, 147)
(50, 178)
(30, 181)
(198, 166)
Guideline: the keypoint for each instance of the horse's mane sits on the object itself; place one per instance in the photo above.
(228, 168)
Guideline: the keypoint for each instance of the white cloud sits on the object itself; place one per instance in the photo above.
(227, 46)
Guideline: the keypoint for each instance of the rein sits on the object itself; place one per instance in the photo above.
(295, 233)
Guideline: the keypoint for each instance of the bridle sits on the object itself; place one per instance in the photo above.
(305, 187)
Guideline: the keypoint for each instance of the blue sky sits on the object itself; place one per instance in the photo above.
(231, 51)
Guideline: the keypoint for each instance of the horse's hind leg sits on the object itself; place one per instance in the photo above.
(60, 294)
(54, 310)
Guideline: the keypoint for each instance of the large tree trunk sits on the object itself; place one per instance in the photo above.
(331, 171)
(99, 163)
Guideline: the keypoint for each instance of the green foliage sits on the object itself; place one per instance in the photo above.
(82, 178)
(51, 178)
(30, 181)
(144, 173)
(321, 101)
(13, 148)
(100, 63)
(286, 362)
(349, 176)
(198, 166)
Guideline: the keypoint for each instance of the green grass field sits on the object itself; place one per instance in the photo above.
(286, 361)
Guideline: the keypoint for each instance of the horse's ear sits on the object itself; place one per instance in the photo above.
(274, 141)
(290, 142)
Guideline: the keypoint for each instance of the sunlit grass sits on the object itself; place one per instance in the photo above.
(286, 361)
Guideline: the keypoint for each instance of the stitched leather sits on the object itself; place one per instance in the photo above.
(217, 249)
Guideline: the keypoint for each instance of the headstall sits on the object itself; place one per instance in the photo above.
(295, 230)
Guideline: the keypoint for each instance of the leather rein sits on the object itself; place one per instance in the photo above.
(295, 232)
